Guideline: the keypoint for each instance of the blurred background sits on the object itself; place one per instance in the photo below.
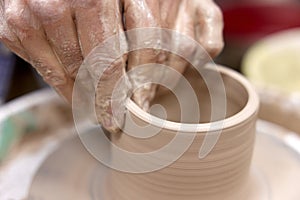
(249, 21)
(17, 77)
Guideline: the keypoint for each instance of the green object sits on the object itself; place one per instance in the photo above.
(12, 130)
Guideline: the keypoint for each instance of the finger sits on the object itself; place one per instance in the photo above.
(181, 42)
(8, 38)
(28, 30)
(97, 21)
(169, 12)
(56, 19)
(110, 108)
(209, 27)
(142, 14)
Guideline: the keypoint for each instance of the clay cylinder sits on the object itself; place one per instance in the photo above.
(220, 174)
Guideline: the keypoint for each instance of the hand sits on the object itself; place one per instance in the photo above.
(56, 35)
(200, 20)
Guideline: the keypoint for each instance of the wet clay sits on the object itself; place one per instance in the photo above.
(222, 174)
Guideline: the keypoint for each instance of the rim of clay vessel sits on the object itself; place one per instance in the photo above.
(250, 109)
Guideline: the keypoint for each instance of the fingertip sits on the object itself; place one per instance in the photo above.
(214, 47)
(142, 97)
(110, 124)
(209, 31)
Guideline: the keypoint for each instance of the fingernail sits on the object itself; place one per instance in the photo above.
(114, 130)
(109, 124)
(142, 98)
(106, 122)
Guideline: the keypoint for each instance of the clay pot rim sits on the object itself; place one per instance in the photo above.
(249, 110)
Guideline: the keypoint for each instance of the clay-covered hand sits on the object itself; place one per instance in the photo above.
(200, 20)
(56, 35)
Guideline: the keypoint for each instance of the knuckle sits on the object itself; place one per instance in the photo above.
(39, 66)
(20, 21)
(14, 19)
(51, 76)
(17, 15)
(55, 79)
(71, 57)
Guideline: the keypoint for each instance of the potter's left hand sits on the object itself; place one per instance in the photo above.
(200, 20)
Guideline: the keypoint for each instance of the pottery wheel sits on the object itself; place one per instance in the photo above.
(70, 172)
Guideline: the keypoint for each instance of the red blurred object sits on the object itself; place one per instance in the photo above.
(256, 21)
(247, 21)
